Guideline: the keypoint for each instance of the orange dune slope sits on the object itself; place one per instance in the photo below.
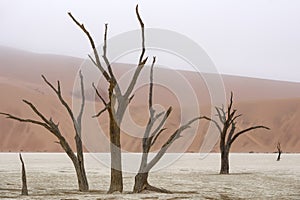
(272, 103)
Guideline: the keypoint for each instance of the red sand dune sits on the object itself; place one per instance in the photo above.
(272, 103)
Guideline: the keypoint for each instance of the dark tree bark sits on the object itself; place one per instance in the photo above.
(116, 181)
(227, 129)
(117, 103)
(24, 179)
(224, 162)
(77, 160)
(151, 135)
(279, 151)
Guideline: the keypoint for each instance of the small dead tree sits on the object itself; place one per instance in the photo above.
(24, 179)
(151, 135)
(117, 101)
(279, 151)
(228, 133)
(51, 126)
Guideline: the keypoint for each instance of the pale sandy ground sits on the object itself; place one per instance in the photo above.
(254, 176)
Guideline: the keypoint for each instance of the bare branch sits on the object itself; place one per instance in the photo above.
(99, 95)
(143, 33)
(50, 85)
(214, 121)
(231, 132)
(230, 105)
(130, 98)
(9, 116)
(104, 56)
(151, 88)
(157, 135)
(246, 130)
(63, 102)
(35, 110)
(100, 112)
(162, 122)
(222, 118)
(158, 115)
(232, 114)
(142, 61)
(278, 146)
(167, 144)
(222, 109)
(103, 101)
(105, 46)
(147, 140)
(92, 59)
(49, 125)
(234, 119)
(83, 99)
(97, 62)
(135, 77)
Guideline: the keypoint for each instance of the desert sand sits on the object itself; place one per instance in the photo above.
(253, 176)
(272, 103)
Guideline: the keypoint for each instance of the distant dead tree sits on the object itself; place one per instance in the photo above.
(51, 126)
(279, 151)
(24, 179)
(117, 101)
(151, 135)
(228, 133)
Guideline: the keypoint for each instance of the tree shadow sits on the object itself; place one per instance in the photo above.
(223, 196)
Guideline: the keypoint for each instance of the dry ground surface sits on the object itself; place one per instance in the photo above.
(253, 176)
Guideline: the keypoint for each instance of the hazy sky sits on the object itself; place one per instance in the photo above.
(259, 38)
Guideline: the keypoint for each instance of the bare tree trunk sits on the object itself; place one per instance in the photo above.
(24, 180)
(279, 151)
(83, 183)
(84, 186)
(278, 157)
(81, 178)
(224, 162)
(141, 179)
(116, 181)
(141, 182)
(224, 154)
(80, 174)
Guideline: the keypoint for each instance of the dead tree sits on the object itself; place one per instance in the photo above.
(279, 151)
(24, 180)
(151, 135)
(51, 126)
(228, 133)
(117, 101)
